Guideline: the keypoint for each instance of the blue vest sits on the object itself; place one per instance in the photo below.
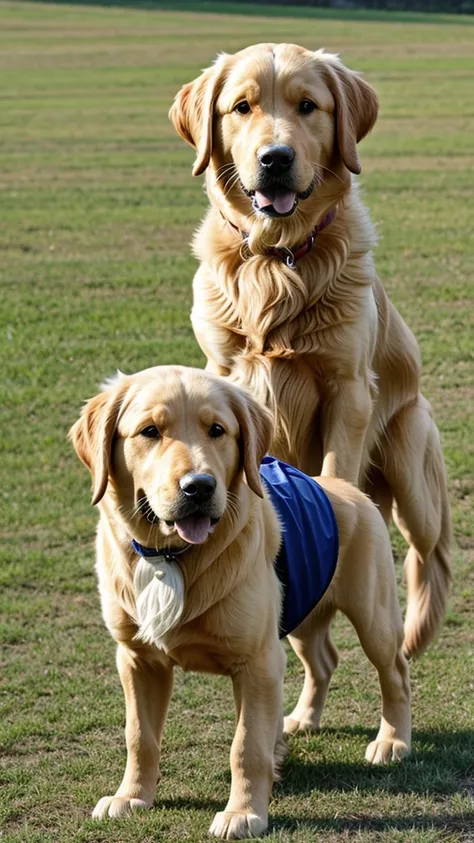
(310, 540)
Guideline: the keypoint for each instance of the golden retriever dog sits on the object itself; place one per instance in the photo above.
(186, 549)
(287, 301)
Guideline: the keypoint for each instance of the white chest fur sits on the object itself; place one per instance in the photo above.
(159, 594)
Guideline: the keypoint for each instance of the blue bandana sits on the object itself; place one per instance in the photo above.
(310, 542)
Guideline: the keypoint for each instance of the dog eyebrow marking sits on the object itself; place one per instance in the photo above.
(162, 417)
(208, 415)
(153, 416)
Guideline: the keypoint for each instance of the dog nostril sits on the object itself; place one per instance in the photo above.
(199, 486)
(276, 158)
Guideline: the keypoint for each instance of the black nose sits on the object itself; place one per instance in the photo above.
(276, 159)
(199, 487)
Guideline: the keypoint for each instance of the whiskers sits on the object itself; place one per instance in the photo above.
(138, 508)
(229, 176)
(225, 170)
(318, 181)
(320, 177)
(143, 509)
(127, 513)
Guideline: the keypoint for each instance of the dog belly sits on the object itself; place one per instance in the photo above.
(201, 660)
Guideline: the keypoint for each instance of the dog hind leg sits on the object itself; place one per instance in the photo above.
(393, 740)
(378, 623)
(314, 648)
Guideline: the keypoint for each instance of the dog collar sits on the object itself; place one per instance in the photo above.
(290, 256)
(155, 553)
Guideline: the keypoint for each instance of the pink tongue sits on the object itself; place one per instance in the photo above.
(194, 529)
(264, 199)
(282, 200)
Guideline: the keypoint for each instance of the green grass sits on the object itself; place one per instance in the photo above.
(288, 10)
(98, 207)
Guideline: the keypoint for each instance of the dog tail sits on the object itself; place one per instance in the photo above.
(428, 577)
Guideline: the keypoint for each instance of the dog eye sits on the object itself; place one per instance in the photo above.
(307, 106)
(215, 431)
(242, 107)
(151, 432)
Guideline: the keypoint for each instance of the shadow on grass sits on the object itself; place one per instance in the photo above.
(440, 763)
(463, 823)
(362, 822)
(256, 9)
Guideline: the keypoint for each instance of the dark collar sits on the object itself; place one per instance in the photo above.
(154, 552)
(290, 256)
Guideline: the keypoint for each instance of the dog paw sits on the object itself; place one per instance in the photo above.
(384, 751)
(117, 806)
(306, 723)
(236, 825)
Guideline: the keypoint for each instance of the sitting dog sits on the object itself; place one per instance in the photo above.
(287, 301)
(189, 548)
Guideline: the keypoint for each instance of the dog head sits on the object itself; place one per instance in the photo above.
(277, 126)
(167, 445)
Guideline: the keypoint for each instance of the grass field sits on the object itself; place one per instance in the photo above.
(97, 211)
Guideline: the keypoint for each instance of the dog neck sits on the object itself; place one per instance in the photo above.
(153, 553)
(276, 237)
(289, 255)
(172, 588)
(194, 561)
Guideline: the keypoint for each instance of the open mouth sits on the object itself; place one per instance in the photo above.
(277, 200)
(194, 528)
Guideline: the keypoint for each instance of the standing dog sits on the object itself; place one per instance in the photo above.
(186, 549)
(287, 301)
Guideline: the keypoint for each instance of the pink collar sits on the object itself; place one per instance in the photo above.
(290, 256)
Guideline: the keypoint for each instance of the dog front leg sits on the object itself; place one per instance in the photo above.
(258, 693)
(209, 318)
(213, 342)
(147, 690)
(345, 420)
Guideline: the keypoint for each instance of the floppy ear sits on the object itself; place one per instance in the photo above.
(92, 437)
(356, 111)
(192, 113)
(256, 431)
